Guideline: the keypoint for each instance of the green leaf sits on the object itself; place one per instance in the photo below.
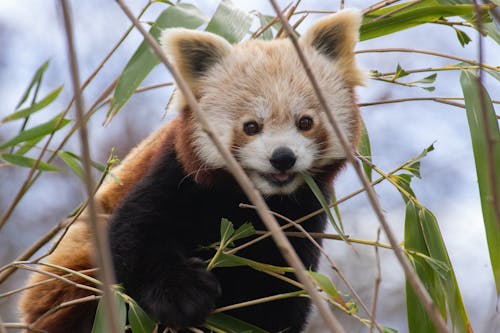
(365, 150)
(400, 72)
(35, 107)
(245, 230)
(403, 181)
(230, 324)
(433, 265)
(100, 316)
(428, 79)
(27, 162)
(37, 131)
(462, 37)
(138, 319)
(231, 260)
(386, 329)
(324, 204)
(230, 22)
(408, 18)
(226, 230)
(144, 60)
(264, 21)
(26, 147)
(473, 93)
(418, 319)
(336, 208)
(72, 163)
(438, 266)
(492, 31)
(414, 169)
(37, 79)
(325, 283)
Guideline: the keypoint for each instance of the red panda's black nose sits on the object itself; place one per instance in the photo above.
(283, 158)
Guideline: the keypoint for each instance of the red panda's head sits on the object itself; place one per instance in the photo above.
(260, 102)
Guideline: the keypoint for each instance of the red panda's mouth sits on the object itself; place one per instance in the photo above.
(279, 178)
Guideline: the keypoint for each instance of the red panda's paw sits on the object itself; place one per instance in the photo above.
(185, 298)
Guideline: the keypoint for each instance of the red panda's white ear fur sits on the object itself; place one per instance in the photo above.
(335, 36)
(193, 52)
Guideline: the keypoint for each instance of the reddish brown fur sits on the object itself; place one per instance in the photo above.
(75, 251)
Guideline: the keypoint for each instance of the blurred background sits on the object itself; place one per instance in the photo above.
(31, 32)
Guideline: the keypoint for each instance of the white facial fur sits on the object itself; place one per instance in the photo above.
(264, 82)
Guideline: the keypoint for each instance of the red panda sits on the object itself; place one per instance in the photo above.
(176, 187)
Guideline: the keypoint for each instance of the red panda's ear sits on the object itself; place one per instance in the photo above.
(335, 36)
(193, 52)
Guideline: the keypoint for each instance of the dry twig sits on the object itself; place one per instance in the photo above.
(99, 236)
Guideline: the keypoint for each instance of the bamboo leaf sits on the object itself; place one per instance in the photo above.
(245, 230)
(400, 72)
(462, 37)
(144, 60)
(27, 162)
(336, 208)
(473, 93)
(230, 324)
(365, 150)
(409, 18)
(324, 204)
(428, 79)
(39, 131)
(138, 319)
(35, 107)
(100, 321)
(324, 283)
(418, 319)
(36, 80)
(231, 260)
(264, 21)
(72, 163)
(230, 22)
(433, 265)
(26, 147)
(226, 230)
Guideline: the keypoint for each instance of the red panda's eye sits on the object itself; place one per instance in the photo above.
(305, 123)
(251, 127)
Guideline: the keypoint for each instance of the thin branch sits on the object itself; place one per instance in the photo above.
(22, 326)
(376, 289)
(378, 5)
(99, 236)
(2, 326)
(428, 52)
(62, 305)
(279, 34)
(58, 277)
(444, 100)
(432, 69)
(260, 301)
(314, 12)
(18, 290)
(411, 276)
(397, 10)
(263, 29)
(245, 183)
